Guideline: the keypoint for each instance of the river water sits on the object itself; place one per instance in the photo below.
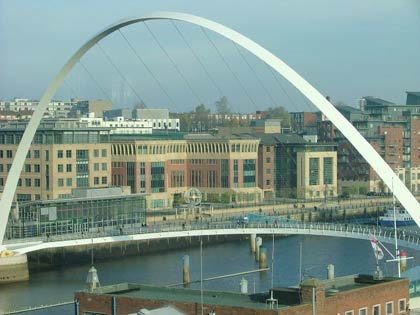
(348, 255)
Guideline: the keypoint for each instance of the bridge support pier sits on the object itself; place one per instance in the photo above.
(14, 269)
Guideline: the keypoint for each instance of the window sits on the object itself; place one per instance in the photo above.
(60, 154)
(8, 166)
(349, 312)
(1, 154)
(313, 171)
(68, 153)
(267, 149)
(104, 166)
(69, 182)
(328, 170)
(96, 180)
(28, 182)
(37, 182)
(27, 168)
(1, 168)
(268, 171)
(60, 182)
(96, 167)
(96, 153)
(60, 168)
(376, 310)
(267, 182)
(104, 153)
(268, 160)
(37, 155)
(37, 168)
(9, 154)
(68, 168)
(1, 181)
(401, 306)
(363, 311)
(104, 180)
(389, 308)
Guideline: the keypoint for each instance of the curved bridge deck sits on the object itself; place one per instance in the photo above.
(408, 239)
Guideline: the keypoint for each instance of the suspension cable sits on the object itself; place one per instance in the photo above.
(120, 73)
(174, 65)
(255, 74)
(94, 80)
(148, 69)
(198, 59)
(229, 68)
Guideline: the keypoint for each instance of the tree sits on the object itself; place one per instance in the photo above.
(279, 112)
(140, 105)
(222, 106)
(201, 117)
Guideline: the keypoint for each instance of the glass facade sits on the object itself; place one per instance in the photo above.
(249, 173)
(328, 170)
(225, 173)
(54, 217)
(158, 176)
(313, 171)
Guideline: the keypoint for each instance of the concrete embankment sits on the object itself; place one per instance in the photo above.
(14, 269)
(58, 257)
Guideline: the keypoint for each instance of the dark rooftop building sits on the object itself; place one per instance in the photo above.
(413, 98)
(344, 295)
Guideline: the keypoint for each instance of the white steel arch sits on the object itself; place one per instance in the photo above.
(346, 128)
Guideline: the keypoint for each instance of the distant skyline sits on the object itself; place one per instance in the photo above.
(344, 49)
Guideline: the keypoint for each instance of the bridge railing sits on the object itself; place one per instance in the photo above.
(291, 225)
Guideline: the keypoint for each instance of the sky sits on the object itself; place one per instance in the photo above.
(345, 49)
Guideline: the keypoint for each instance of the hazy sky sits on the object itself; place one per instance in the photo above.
(346, 49)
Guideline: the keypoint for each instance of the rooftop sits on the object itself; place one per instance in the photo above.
(286, 296)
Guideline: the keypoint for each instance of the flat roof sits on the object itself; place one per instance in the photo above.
(233, 299)
(221, 298)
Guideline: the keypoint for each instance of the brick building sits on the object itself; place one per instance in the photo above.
(351, 295)
(168, 165)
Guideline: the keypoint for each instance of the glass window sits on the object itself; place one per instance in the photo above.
(37, 154)
(268, 160)
(104, 166)
(389, 308)
(37, 182)
(69, 182)
(96, 166)
(28, 182)
(60, 154)
(37, 168)
(348, 313)
(27, 168)
(96, 153)
(401, 305)
(104, 180)
(68, 168)
(1, 168)
(376, 310)
(9, 154)
(363, 311)
(313, 171)
(96, 180)
(68, 153)
(60, 168)
(328, 170)
(104, 153)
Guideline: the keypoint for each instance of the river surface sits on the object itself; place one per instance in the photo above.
(349, 257)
